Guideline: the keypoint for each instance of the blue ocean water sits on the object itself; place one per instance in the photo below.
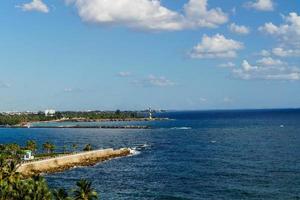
(243, 154)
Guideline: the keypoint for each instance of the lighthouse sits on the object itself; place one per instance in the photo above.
(150, 114)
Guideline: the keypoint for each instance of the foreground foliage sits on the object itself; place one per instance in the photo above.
(13, 186)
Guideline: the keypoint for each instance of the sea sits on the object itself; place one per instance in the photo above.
(238, 154)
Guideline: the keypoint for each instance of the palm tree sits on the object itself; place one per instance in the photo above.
(61, 194)
(31, 145)
(85, 191)
(74, 146)
(49, 147)
(39, 189)
(88, 147)
(13, 148)
(64, 148)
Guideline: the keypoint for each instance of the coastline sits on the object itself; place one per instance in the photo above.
(29, 124)
(78, 127)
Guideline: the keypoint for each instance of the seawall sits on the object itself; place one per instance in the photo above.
(62, 163)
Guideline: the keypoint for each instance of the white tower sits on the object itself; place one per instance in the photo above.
(150, 113)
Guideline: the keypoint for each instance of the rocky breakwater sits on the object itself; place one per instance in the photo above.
(63, 163)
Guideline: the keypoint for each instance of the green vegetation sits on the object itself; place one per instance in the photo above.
(13, 186)
(15, 151)
(23, 118)
(49, 147)
(31, 145)
(88, 147)
(85, 191)
(74, 147)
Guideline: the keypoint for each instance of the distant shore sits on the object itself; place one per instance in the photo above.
(82, 127)
(29, 124)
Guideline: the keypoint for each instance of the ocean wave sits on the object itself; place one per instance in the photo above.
(182, 128)
(138, 149)
(134, 152)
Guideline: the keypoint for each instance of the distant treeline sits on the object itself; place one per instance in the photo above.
(6, 119)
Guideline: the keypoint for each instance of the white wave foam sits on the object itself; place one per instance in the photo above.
(133, 151)
(182, 128)
(138, 149)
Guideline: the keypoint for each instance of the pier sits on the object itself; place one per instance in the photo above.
(62, 163)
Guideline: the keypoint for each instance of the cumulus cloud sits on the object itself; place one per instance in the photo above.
(156, 81)
(227, 65)
(197, 14)
(35, 5)
(149, 14)
(264, 53)
(239, 29)
(269, 61)
(216, 46)
(124, 74)
(266, 69)
(262, 5)
(281, 52)
(288, 33)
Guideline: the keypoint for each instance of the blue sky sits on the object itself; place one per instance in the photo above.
(132, 54)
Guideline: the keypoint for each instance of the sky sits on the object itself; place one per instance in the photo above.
(135, 54)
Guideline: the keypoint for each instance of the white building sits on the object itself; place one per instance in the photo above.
(49, 112)
(28, 155)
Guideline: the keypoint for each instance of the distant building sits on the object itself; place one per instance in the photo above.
(28, 155)
(49, 113)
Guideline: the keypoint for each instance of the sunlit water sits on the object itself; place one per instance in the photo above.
(197, 155)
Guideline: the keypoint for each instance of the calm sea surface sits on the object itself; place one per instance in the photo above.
(197, 155)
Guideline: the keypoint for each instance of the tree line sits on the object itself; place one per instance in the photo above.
(16, 119)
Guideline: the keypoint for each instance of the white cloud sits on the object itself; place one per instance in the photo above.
(264, 53)
(216, 46)
(202, 99)
(124, 74)
(227, 100)
(156, 81)
(268, 61)
(288, 33)
(72, 90)
(149, 14)
(267, 69)
(239, 29)
(227, 65)
(35, 5)
(286, 52)
(197, 15)
(247, 67)
(290, 76)
(262, 5)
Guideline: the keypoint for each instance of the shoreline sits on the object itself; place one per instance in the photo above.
(29, 124)
(98, 120)
(78, 127)
(66, 162)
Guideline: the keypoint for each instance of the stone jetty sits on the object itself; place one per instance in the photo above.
(62, 163)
